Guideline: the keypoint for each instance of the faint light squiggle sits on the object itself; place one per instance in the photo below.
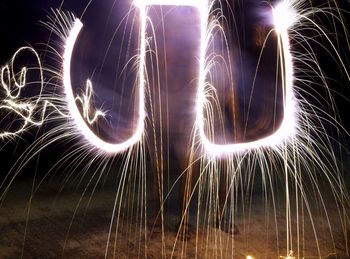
(31, 111)
(85, 101)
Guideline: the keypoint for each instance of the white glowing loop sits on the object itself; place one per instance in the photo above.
(71, 100)
(282, 19)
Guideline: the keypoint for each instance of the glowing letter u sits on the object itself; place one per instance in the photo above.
(74, 111)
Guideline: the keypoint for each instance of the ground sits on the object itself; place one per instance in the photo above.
(55, 227)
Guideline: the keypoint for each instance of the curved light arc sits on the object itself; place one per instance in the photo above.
(80, 123)
(289, 121)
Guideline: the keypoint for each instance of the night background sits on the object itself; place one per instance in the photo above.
(60, 203)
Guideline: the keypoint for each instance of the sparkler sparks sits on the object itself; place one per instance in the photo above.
(287, 128)
(283, 19)
(293, 150)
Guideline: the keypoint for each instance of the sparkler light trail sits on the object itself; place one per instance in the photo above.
(290, 164)
(30, 112)
(74, 111)
(85, 102)
(283, 19)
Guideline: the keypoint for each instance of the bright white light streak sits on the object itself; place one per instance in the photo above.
(71, 100)
(283, 18)
(201, 4)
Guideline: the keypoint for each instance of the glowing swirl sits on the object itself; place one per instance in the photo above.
(29, 111)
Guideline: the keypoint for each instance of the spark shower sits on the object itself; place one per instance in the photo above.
(298, 151)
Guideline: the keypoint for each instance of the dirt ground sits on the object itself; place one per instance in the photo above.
(55, 227)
